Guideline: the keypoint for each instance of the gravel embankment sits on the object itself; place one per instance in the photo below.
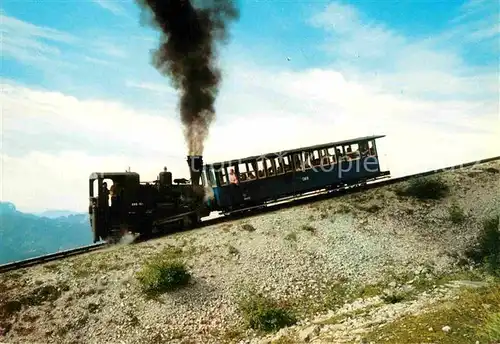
(294, 254)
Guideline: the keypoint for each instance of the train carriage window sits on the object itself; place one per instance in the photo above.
(364, 149)
(243, 172)
(223, 180)
(307, 160)
(261, 169)
(298, 162)
(251, 168)
(211, 176)
(339, 151)
(278, 166)
(235, 172)
(218, 176)
(332, 156)
(315, 156)
(270, 168)
(324, 157)
(347, 152)
(372, 148)
(354, 151)
(287, 163)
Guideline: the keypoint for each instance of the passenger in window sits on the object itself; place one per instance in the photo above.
(104, 190)
(339, 154)
(349, 153)
(105, 194)
(233, 179)
(365, 151)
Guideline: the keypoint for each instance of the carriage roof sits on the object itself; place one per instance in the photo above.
(301, 149)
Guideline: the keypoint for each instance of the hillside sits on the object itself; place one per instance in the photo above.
(397, 264)
(25, 235)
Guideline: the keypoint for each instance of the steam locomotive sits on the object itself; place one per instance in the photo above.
(228, 187)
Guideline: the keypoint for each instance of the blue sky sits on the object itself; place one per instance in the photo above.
(73, 70)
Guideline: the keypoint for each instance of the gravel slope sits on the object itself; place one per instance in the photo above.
(296, 254)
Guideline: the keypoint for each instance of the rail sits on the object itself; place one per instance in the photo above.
(266, 208)
(49, 257)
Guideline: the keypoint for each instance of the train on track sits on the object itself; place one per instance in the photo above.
(227, 187)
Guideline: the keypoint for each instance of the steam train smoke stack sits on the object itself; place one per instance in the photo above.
(195, 167)
(187, 54)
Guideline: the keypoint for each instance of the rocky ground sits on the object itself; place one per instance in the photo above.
(346, 267)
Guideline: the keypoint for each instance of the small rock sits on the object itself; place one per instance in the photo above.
(446, 328)
(306, 334)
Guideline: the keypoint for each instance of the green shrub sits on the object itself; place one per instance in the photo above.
(247, 227)
(487, 249)
(266, 315)
(456, 214)
(491, 330)
(425, 188)
(163, 276)
(394, 296)
(308, 228)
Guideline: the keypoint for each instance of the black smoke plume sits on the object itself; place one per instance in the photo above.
(187, 54)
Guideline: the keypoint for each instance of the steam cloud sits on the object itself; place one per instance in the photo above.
(187, 54)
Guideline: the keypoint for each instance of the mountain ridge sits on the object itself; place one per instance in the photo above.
(26, 235)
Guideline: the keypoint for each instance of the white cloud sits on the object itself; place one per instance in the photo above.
(155, 87)
(31, 43)
(424, 67)
(112, 6)
(105, 46)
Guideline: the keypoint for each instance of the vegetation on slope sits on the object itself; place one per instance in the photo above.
(164, 272)
(425, 188)
(474, 315)
(487, 249)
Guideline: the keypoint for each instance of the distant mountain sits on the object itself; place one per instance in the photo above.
(24, 235)
(52, 214)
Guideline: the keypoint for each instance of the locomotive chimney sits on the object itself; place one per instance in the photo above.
(195, 163)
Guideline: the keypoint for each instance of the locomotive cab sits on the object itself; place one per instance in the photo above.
(108, 204)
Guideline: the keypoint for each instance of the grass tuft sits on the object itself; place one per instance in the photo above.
(425, 188)
(264, 314)
(456, 214)
(486, 252)
(164, 272)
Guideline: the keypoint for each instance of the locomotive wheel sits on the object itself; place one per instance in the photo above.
(146, 229)
(191, 221)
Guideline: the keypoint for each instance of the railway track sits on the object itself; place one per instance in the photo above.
(49, 257)
(282, 204)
